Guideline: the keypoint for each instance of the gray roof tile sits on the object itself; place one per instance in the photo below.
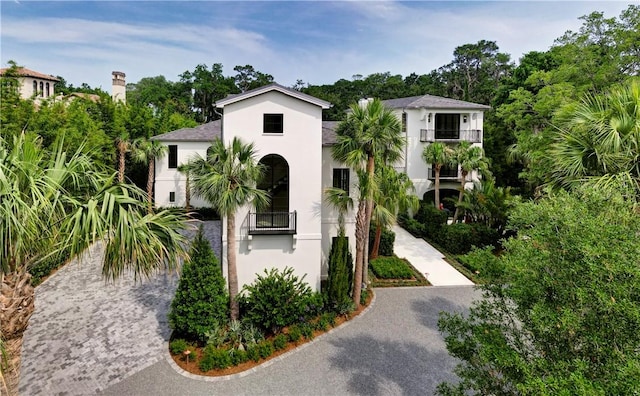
(202, 133)
(431, 101)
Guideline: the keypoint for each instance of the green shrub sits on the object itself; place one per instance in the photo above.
(322, 324)
(178, 346)
(44, 268)
(387, 239)
(431, 218)
(238, 356)
(340, 274)
(413, 227)
(330, 317)
(214, 358)
(280, 341)
(275, 300)
(265, 349)
(201, 300)
(459, 238)
(307, 330)
(253, 353)
(391, 268)
(295, 333)
(313, 305)
(364, 296)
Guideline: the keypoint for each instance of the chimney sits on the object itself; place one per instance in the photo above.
(118, 87)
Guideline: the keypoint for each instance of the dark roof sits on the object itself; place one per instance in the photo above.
(202, 133)
(329, 132)
(431, 101)
(273, 87)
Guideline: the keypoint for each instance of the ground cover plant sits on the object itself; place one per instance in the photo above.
(391, 268)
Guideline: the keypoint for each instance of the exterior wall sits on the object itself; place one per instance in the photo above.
(300, 145)
(170, 180)
(330, 215)
(415, 167)
(26, 88)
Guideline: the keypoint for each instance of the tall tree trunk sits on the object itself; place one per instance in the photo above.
(121, 153)
(360, 240)
(457, 212)
(231, 265)
(17, 298)
(187, 194)
(150, 177)
(437, 192)
(376, 243)
(369, 213)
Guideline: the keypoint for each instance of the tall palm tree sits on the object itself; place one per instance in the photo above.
(438, 154)
(469, 158)
(147, 151)
(123, 145)
(227, 180)
(49, 202)
(393, 194)
(599, 139)
(186, 171)
(369, 132)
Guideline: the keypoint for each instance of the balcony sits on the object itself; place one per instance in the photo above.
(445, 173)
(272, 223)
(454, 136)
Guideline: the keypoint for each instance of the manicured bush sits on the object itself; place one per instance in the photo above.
(178, 346)
(313, 305)
(214, 358)
(280, 341)
(387, 239)
(253, 353)
(391, 268)
(459, 238)
(201, 300)
(275, 300)
(265, 349)
(431, 218)
(340, 274)
(307, 330)
(44, 268)
(238, 356)
(294, 333)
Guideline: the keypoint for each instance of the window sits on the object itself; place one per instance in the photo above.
(341, 179)
(404, 122)
(47, 91)
(173, 156)
(273, 123)
(275, 182)
(35, 87)
(447, 126)
(172, 196)
(41, 89)
(446, 171)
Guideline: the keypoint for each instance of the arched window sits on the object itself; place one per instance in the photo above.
(35, 87)
(41, 88)
(47, 91)
(276, 183)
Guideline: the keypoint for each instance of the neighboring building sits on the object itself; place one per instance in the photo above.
(290, 137)
(34, 84)
(118, 87)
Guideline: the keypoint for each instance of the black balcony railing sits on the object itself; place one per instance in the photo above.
(272, 223)
(448, 135)
(445, 173)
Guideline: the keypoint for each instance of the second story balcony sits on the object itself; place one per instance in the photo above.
(450, 135)
(273, 223)
(446, 173)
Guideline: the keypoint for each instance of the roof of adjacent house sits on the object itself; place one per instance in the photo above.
(272, 87)
(431, 101)
(24, 72)
(329, 136)
(202, 133)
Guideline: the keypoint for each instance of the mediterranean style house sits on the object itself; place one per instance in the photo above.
(34, 84)
(294, 143)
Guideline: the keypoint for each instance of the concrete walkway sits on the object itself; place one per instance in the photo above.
(426, 259)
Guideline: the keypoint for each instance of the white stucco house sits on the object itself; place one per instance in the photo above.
(34, 84)
(290, 137)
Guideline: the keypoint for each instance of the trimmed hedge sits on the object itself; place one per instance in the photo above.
(387, 240)
(431, 219)
(459, 238)
(391, 268)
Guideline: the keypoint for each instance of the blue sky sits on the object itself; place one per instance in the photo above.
(318, 42)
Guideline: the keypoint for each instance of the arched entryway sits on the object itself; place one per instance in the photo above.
(276, 217)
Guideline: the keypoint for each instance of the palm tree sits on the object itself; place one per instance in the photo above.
(123, 145)
(146, 151)
(186, 170)
(469, 158)
(227, 180)
(370, 132)
(394, 194)
(49, 202)
(438, 155)
(599, 139)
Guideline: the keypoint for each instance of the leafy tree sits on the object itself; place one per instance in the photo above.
(438, 154)
(51, 202)
(147, 151)
(340, 273)
(469, 158)
(248, 78)
(201, 299)
(227, 179)
(488, 204)
(539, 328)
(207, 86)
(369, 133)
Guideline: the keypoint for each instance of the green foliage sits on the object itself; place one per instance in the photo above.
(413, 226)
(539, 328)
(253, 353)
(280, 341)
(431, 218)
(214, 358)
(238, 356)
(265, 349)
(178, 346)
(294, 333)
(340, 273)
(201, 300)
(459, 238)
(307, 330)
(275, 300)
(387, 239)
(487, 204)
(40, 271)
(391, 268)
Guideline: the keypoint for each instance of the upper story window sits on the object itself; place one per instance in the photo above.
(47, 91)
(273, 123)
(35, 87)
(404, 122)
(41, 89)
(447, 126)
(173, 156)
(341, 179)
